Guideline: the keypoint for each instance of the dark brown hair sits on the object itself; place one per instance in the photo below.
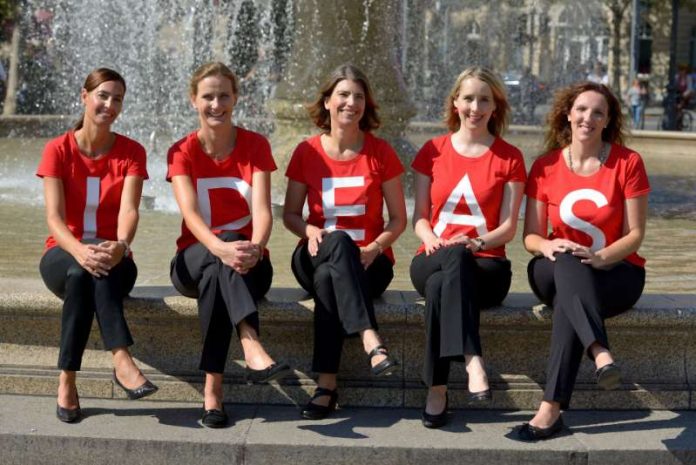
(558, 134)
(322, 117)
(499, 120)
(94, 80)
(213, 68)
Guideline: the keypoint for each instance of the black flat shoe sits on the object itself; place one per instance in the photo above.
(436, 421)
(384, 368)
(271, 372)
(481, 396)
(530, 433)
(313, 411)
(144, 390)
(609, 377)
(214, 418)
(68, 415)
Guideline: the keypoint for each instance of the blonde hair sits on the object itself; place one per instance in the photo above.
(499, 120)
(213, 68)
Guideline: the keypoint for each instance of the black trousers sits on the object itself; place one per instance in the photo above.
(343, 291)
(84, 296)
(456, 286)
(225, 298)
(582, 298)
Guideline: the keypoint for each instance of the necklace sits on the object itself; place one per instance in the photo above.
(602, 156)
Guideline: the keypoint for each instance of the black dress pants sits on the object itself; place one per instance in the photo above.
(84, 296)
(343, 291)
(582, 297)
(456, 286)
(225, 298)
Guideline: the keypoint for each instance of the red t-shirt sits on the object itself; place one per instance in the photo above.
(346, 195)
(589, 210)
(466, 194)
(223, 187)
(92, 187)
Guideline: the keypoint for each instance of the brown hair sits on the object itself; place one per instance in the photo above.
(321, 116)
(213, 68)
(558, 134)
(94, 80)
(499, 120)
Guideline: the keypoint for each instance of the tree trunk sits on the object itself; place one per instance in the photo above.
(10, 106)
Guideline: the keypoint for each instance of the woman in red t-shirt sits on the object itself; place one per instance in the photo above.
(92, 181)
(220, 174)
(344, 258)
(468, 189)
(593, 192)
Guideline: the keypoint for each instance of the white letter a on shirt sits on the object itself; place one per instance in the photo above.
(447, 215)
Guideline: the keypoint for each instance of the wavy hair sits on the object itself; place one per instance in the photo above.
(558, 134)
(321, 116)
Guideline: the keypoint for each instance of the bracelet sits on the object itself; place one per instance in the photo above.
(480, 243)
(379, 247)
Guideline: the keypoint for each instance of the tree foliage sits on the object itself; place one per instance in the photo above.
(8, 10)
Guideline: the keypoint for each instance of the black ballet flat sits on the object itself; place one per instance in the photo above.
(313, 411)
(436, 421)
(530, 433)
(144, 390)
(272, 372)
(69, 415)
(608, 377)
(387, 366)
(481, 396)
(214, 418)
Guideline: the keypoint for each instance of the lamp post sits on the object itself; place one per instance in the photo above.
(670, 101)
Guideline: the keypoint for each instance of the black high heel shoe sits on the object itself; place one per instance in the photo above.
(481, 396)
(313, 411)
(144, 390)
(69, 415)
(436, 421)
(387, 366)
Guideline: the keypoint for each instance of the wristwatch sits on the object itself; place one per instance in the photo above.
(126, 249)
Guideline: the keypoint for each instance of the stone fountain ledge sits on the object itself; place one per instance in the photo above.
(654, 343)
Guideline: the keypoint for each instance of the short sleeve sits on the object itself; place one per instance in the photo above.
(636, 183)
(138, 164)
(295, 169)
(178, 161)
(52, 160)
(391, 165)
(423, 162)
(518, 172)
(534, 188)
(263, 159)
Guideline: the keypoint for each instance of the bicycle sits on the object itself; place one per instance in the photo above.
(685, 118)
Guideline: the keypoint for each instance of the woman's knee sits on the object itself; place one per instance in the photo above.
(77, 276)
(338, 240)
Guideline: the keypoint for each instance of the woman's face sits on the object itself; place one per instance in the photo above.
(103, 104)
(588, 116)
(214, 100)
(346, 104)
(474, 104)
